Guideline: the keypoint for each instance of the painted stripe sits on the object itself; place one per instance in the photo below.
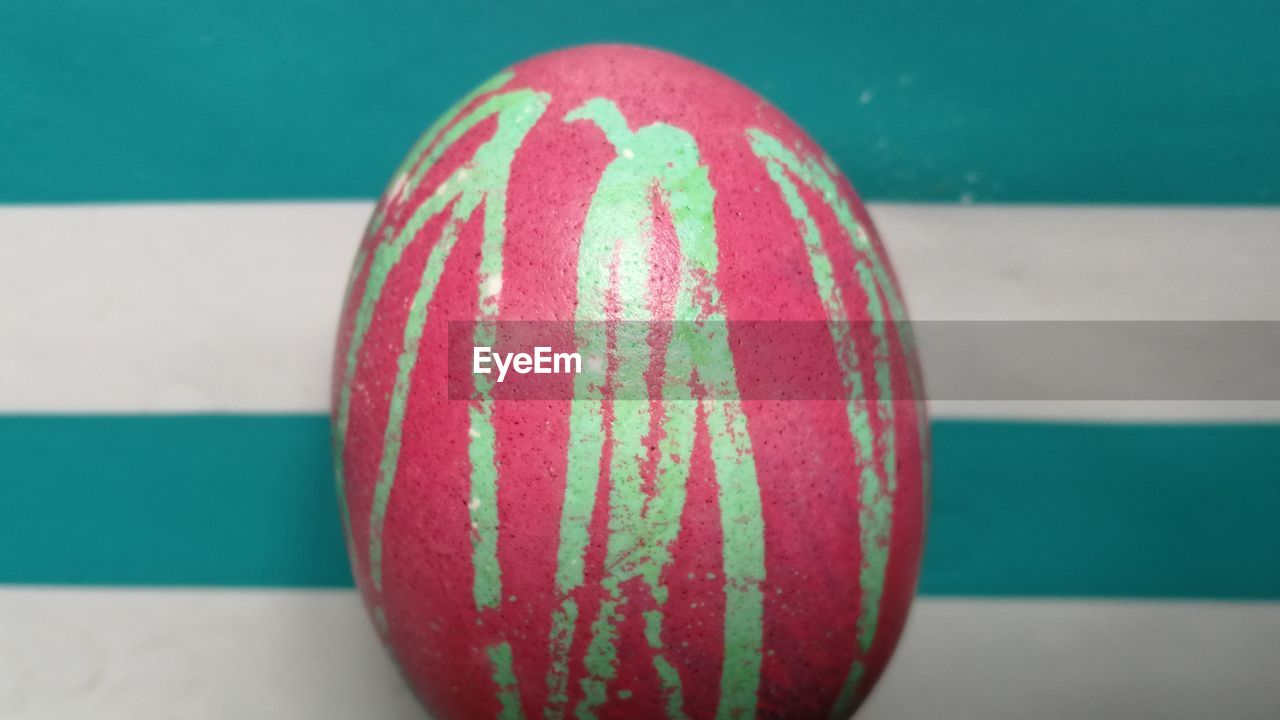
(590, 430)
(390, 458)
(119, 654)
(483, 181)
(387, 250)
(504, 677)
(876, 481)
(622, 231)
(656, 163)
(150, 101)
(875, 508)
(480, 182)
(153, 494)
(171, 338)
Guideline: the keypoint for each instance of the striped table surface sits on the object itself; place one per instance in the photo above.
(1114, 558)
(173, 250)
(213, 654)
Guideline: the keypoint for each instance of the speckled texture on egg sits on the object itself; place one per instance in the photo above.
(734, 556)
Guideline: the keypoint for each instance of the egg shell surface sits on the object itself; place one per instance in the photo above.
(735, 554)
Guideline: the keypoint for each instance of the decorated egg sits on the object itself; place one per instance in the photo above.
(707, 499)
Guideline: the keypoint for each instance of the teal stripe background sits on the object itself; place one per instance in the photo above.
(1124, 101)
(1019, 509)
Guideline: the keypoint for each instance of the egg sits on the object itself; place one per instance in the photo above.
(708, 499)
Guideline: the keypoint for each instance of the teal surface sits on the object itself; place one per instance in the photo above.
(1019, 509)
(1114, 101)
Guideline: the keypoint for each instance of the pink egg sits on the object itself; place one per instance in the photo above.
(742, 542)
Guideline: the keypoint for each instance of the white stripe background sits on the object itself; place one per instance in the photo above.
(232, 307)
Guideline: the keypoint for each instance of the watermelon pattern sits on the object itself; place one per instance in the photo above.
(698, 556)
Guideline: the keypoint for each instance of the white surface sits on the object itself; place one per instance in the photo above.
(197, 307)
(232, 307)
(192, 654)
(247, 654)
(1079, 262)
(1043, 660)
